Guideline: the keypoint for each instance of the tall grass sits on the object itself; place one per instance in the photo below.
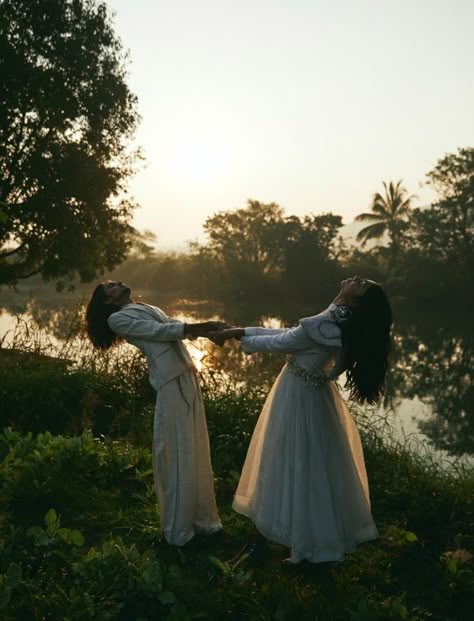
(79, 527)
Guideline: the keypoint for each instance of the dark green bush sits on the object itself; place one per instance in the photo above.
(39, 393)
(76, 475)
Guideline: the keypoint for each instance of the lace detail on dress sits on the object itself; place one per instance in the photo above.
(309, 378)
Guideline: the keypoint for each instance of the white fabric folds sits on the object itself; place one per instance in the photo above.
(304, 482)
(181, 457)
(182, 470)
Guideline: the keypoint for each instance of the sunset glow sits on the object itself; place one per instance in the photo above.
(310, 104)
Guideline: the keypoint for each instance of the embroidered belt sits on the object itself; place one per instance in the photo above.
(309, 378)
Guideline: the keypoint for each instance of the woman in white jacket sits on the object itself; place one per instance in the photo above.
(304, 482)
(181, 456)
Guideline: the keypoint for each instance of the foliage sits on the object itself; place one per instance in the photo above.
(389, 215)
(48, 394)
(66, 116)
(258, 260)
(87, 545)
(259, 251)
(79, 531)
(250, 234)
(444, 232)
(232, 417)
(34, 468)
(453, 179)
(311, 269)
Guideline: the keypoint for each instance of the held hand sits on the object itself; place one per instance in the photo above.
(219, 338)
(194, 330)
(215, 326)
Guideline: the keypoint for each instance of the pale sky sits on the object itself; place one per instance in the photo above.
(307, 103)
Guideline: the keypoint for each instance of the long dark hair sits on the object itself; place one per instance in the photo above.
(97, 313)
(366, 342)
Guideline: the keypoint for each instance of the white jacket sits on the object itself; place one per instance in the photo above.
(158, 337)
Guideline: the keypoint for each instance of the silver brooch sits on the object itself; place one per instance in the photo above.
(342, 313)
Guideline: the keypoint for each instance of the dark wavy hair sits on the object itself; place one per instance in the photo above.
(97, 314)
(366, 341)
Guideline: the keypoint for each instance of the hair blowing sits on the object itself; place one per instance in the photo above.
(97, 314)
(366, 342)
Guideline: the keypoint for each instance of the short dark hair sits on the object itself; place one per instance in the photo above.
(97, 314)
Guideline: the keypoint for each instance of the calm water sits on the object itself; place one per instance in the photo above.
(430, 396)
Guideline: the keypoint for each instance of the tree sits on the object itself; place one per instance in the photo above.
(66, 118)
(311, 267)
(389, 215)
(248, 235)
(445, 231)
(248, 245)
(259, 250)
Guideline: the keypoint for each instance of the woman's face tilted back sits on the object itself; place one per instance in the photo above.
(355, 287)
(116, 292)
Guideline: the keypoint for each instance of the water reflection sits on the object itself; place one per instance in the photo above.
(429, 388)
(436, 367)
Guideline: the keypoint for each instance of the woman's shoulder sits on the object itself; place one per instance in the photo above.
(128, 312)
(139, 308)
(323, 327)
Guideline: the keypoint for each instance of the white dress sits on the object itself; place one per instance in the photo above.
(304, 482)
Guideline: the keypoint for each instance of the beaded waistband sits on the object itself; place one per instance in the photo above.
(309, 378)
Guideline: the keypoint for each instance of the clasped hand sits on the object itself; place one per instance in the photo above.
(205, 329)
(221, 336)
(217, 331)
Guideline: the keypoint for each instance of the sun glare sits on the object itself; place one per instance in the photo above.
(199, 161)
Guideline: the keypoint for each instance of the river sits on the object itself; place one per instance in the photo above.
(429, 401)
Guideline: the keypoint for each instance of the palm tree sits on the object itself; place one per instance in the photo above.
(389, 213)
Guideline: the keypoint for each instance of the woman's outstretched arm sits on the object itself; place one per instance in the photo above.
(287, 341)
(128, 325)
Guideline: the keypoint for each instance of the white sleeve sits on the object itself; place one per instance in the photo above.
(257, 331)
(322, 329)
(128, 325)
(172, 320)
(287, 341)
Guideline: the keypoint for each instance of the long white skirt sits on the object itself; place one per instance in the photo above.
(304, 482)
(182, 469)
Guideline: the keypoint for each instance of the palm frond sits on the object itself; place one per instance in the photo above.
(373, 231)
(371, 217)
(382, 209)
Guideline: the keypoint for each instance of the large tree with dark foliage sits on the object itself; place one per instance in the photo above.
(445, 231)
(257, 251)
(66, 120)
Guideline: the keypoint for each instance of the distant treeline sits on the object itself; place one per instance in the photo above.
(423, 256)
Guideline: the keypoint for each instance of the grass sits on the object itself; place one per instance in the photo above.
(79, 526)
(88, 546)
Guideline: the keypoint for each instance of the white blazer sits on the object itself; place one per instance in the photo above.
(158, 337)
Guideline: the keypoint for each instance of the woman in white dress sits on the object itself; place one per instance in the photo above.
(182, 471)
(304, 482)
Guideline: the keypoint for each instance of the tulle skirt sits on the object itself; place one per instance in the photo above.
(304, 482)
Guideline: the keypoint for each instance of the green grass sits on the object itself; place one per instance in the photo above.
(79, 526)
(79, 539)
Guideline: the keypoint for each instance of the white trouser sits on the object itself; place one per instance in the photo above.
(181, 462)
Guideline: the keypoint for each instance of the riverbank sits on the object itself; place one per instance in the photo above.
(79, 528)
